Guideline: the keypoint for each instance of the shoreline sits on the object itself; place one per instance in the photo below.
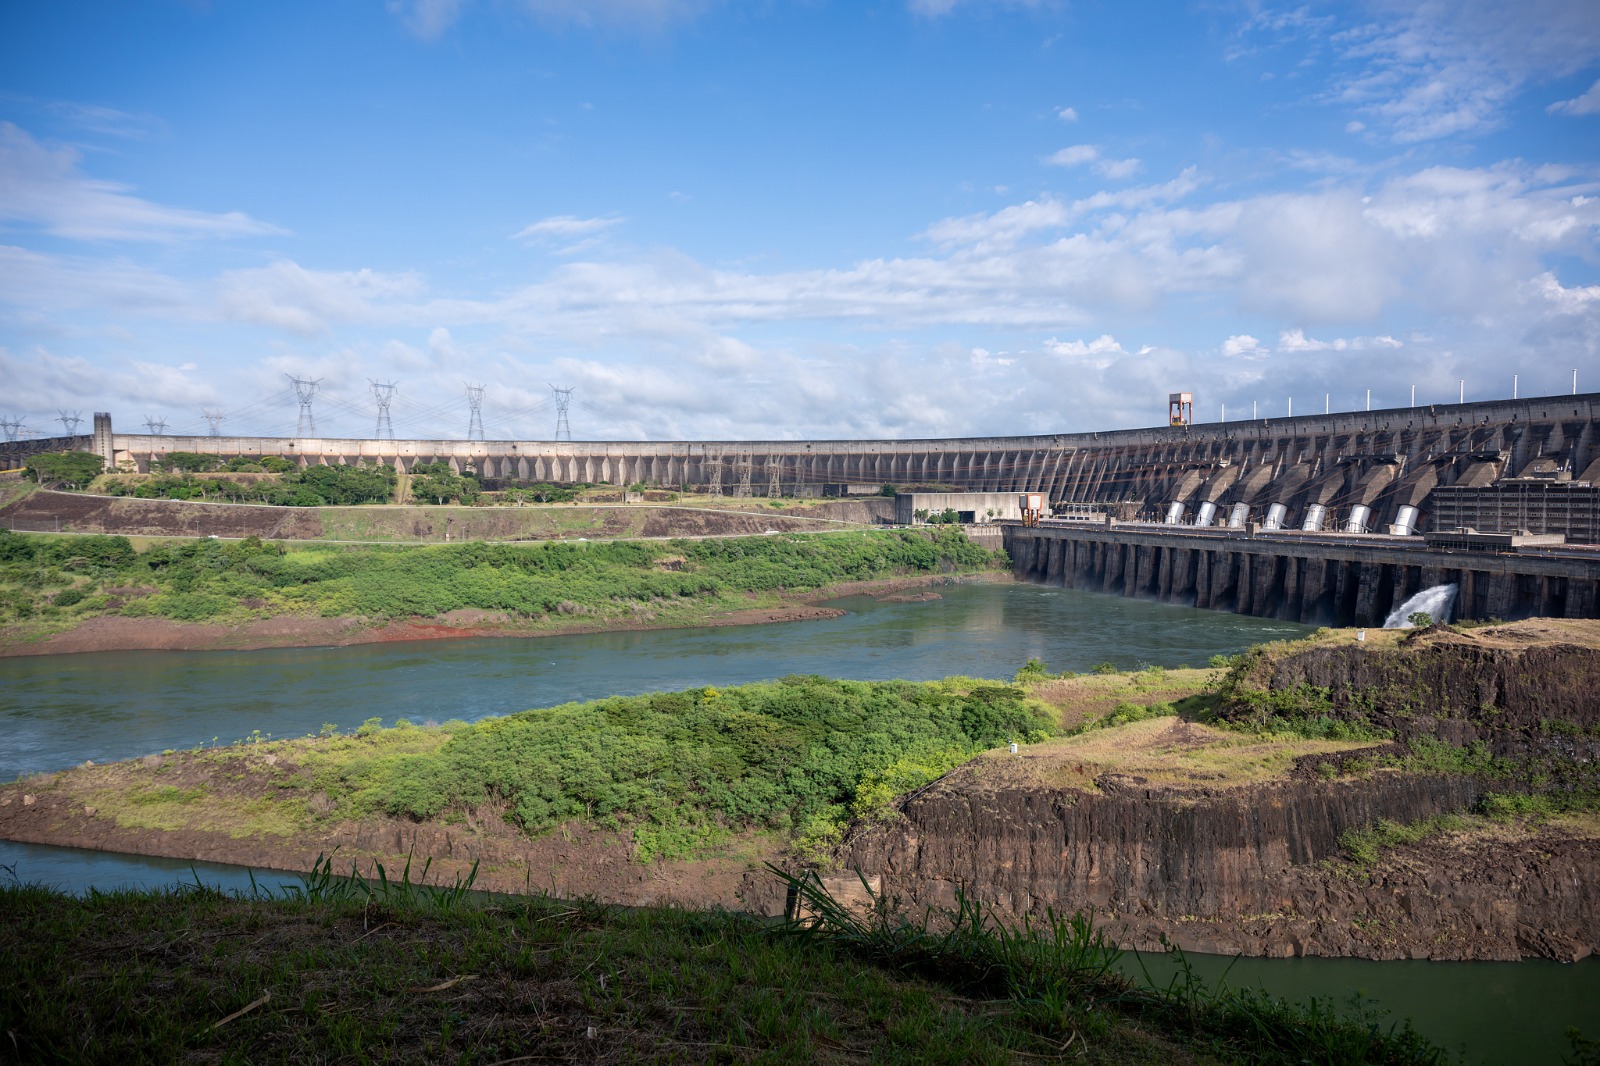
(108, 633)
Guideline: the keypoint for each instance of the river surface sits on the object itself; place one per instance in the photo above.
(57, 711)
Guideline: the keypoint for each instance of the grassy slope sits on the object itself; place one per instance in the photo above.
(542, 585)
(358, 974)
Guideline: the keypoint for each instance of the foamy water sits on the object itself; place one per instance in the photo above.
(1438, 602)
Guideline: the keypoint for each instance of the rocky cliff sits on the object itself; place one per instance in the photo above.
(1257, 867)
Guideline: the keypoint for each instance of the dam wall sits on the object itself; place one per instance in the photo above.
(1330, 580)
(1367, 470)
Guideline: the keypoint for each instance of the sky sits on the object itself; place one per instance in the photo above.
(779, 219)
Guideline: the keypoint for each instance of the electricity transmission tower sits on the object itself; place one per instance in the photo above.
(70, 422)
(715, 488)
(475, 415)
(774, 488)
(11, 426)
(156, 426)
(744, 464)
(213, 417)
(305, 391)
(384, 394)
(563, 400)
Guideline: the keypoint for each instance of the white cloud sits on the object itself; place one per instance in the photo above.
(936, 8)
(1295, 340)
(287, 296)
(1000, 228)
(429, 19)
(1242, 345)
(1437, 69)
(1087, 154)
(106, 120)
(41, 186)
(564, 227)
(1067, 114)
(1587, 104)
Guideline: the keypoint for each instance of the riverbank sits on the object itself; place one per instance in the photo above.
(1184, 805)
(100, 594)
(113, 633)
(393, 972)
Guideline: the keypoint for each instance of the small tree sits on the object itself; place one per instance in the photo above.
(1420, 619)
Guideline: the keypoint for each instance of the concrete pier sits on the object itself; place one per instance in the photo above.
(1334, 581)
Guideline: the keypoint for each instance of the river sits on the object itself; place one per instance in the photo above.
(57, 711)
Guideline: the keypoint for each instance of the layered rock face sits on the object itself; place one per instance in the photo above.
(1241, 869)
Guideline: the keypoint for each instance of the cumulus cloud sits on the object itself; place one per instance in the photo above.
(1088, 155)
(1587, 104)
(44, 186)
(1242, 345)
(1067, 114)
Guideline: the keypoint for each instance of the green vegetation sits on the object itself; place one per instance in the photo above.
(315, 486)
(1363, 846)
(388, 969)
(682, 770)
(72, 469)
(1058, 973)
(440, 484)
(210, 579)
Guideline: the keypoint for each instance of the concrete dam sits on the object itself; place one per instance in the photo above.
(1375, 481)
(1512, 464)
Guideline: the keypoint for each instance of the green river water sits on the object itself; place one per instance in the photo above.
(57, 711)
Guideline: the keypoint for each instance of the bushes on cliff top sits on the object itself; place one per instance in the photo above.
(680, 769)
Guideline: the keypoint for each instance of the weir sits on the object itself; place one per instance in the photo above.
(1316, 580)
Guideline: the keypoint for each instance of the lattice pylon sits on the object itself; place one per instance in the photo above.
(742, 491)
(214, 417)
(715, 488)
(475, 415)
(383, 394)
(305, 391)
(774, 485)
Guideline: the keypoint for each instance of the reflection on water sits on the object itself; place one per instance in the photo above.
(57, 711)
(1500, 1013)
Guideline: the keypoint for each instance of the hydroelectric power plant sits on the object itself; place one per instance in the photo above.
(1329, 519)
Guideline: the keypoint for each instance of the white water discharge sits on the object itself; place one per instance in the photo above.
(1436, 603)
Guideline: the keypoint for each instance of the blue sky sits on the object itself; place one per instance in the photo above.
(771, 219)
